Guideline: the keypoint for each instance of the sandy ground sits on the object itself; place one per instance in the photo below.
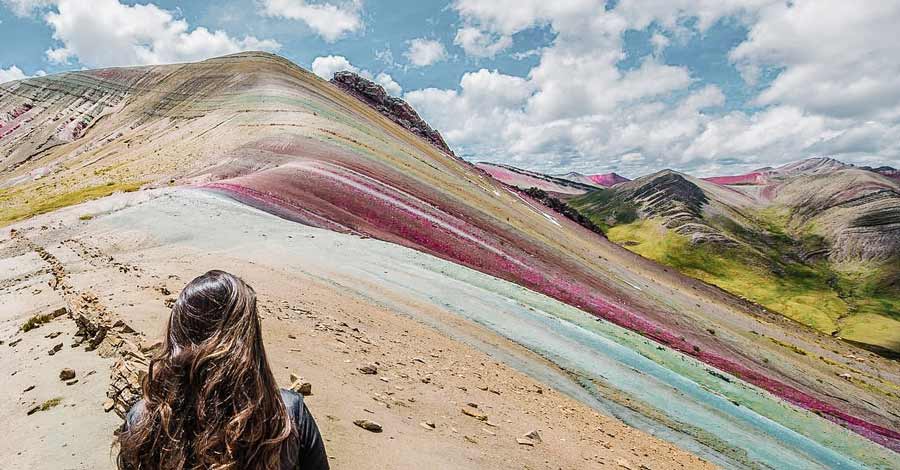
(312, 329)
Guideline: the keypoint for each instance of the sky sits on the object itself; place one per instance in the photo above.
(709, 87)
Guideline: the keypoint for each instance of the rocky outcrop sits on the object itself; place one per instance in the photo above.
(564, 209)
(395, 109)
(888, 171)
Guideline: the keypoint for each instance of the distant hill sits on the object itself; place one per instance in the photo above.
(601, 179)
(817, 240)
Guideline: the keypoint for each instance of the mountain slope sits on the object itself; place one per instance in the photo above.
(556, 186)
(262, 131)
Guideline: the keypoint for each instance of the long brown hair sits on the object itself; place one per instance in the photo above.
(210, 399)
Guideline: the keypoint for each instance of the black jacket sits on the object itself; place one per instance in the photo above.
(310, 454)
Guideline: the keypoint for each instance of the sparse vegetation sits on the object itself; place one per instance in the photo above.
(775, 264)
(36, 321)
(41, 205)
(51, 403)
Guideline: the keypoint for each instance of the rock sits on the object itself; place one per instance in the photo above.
(108, 405)
(34, 410)
(525, 442)
(418, 359)
(475, 414)
(473, 405)
(369, 369)
(67, 374)
(534, 436)
(72, 382)
(55, 349)
(53, 335)
(429, 425)
(302, 387)
(394, 109)
(368, 425)
(28, 388)
(13, 343)
(471, 439)
(147, 346)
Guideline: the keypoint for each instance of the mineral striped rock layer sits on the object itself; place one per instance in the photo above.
(259, 129)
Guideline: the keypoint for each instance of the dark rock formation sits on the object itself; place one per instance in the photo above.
(564, 209)
(888, 171)
(395, 109)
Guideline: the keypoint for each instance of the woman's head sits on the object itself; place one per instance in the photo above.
(210, 399)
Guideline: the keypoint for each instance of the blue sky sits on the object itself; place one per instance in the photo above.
(632, 86)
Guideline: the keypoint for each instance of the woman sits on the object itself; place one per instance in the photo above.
(210, 400)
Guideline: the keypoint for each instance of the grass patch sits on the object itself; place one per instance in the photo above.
(800, 292)
(51, 403)
(86, 217)
(9, 214)
(604, 210)
(36, 321)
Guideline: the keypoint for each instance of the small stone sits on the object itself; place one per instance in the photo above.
(28, 389)
(471, 439)
(294, 377)
(34, 410)
(72, 382)
(475, 414)
(418, 359)
(108, 405)
(368, 425)
(473, 405)
(429, 425)
(302, 387)
(147, 346)
(369, 369)
(67, 374)
(525, 442)
(55, 349)
(534, 436)
(292, 336)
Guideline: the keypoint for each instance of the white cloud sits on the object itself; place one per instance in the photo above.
(838, 91)
(660, 42)
(478, 43)
(26, 7)
(423, 52)
(104, 33)
(10, 74)
(839, 58)
(393, 88)
(326, 66)
(329, 20)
